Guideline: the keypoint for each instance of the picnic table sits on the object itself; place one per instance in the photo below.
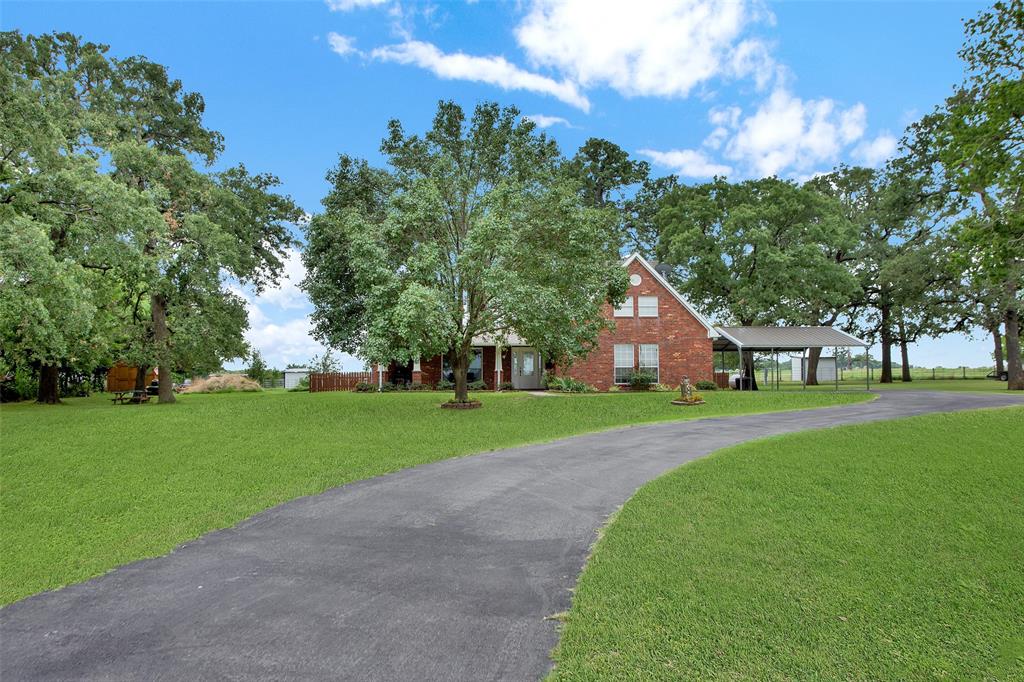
(132, 396)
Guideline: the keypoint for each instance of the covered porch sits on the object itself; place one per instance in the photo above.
(497, 364)
(776, 342)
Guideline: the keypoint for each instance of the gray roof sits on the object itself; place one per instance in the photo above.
(783, 338)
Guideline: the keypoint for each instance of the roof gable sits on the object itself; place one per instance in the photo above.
(672, 290)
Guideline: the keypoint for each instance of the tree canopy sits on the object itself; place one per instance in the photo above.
(474, 230)
(100, 193)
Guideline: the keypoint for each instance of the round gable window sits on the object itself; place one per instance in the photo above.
(635, 280)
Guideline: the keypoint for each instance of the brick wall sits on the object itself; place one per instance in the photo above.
(683, 344)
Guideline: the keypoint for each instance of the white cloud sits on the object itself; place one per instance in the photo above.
(348, 5)
(492, 70)
(544, 121)
(287, 294)
(284, 342)
(789, 133)
(662, 48)
(877, 151)
(343, 45)
(687, 162)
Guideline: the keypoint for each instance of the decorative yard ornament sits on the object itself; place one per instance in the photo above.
(686, 394)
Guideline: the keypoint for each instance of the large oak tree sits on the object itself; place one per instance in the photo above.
(474, 229)
(758, 252)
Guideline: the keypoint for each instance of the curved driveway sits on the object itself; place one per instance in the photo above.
(441, 572)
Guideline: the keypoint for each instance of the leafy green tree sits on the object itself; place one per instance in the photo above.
(604, 171)
(641, 210)
(257, 367)
(161, 232)
(62, 221)
(757, 252)
(475, 229)
(324, 364)
(905, 285)
(977, 136)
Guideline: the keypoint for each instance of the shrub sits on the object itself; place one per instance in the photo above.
(21, 384)
(615, 388)
(661, 388)
(641, 380)
(365, 387)
(223, 383)
(417, 386)
(388, 388)
(506, 386)
(303, 385)
(705, 385)
(569, 385)
(445, 385)
(477, 386)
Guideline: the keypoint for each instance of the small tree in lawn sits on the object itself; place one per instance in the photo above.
(473, 230)
(257, 368)
(324, 364)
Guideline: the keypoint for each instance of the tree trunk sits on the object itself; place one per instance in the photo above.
(885, 334)
(997, 340)
(161, 335)
(140, 377)
(49, 392)
(748, 369)
(1013, 364)
(460, 365)
(904, 354)
(812, 366)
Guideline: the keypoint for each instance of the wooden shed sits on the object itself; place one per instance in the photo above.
(122, 377)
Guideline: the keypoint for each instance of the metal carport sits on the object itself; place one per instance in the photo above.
(775, 339)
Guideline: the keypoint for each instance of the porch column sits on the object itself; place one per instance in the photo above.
(417, 373)
(380, 376)
(497, 366)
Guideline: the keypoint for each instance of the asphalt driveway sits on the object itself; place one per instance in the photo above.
(446, 571)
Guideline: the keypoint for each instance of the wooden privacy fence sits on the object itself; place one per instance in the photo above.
(336, 381)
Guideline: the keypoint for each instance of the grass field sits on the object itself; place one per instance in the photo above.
(88, 486)
(890, 552)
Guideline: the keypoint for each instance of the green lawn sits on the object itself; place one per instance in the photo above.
(885, 551)
(88, 486)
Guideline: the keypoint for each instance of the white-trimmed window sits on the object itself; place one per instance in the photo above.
(623, 362)
(649, 360)
(647, 306)
(626, 309)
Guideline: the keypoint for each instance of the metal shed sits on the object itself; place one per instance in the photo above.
(785, 339)
(293, 375)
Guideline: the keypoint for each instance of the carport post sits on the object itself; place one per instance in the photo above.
(803, 367)
(867, 366)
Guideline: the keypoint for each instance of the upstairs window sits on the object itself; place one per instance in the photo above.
(647, 306)
(626, 309)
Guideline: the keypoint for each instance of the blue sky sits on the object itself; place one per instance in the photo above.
(741, 88)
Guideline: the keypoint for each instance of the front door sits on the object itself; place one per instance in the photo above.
(526, 368)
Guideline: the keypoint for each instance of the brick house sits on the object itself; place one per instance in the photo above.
(656, 329)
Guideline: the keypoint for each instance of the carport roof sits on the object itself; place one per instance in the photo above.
(782, 338)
